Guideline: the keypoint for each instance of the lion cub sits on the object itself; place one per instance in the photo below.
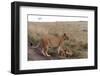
(65, 52)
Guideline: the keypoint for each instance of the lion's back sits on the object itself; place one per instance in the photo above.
(50, 40)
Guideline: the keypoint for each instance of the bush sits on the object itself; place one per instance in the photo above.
(33, 40)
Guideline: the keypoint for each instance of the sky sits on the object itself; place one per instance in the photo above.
(53, 18)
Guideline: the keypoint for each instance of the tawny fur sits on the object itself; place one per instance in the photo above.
(65, 52)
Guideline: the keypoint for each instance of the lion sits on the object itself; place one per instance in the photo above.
(51, 41)
(65, 52)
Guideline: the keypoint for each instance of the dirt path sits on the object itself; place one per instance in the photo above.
(35, 54)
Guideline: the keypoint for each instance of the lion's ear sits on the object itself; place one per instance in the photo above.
(64, 34)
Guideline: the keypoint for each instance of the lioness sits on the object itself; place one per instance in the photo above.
(50, 41)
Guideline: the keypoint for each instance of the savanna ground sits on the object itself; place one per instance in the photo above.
(77, 43)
